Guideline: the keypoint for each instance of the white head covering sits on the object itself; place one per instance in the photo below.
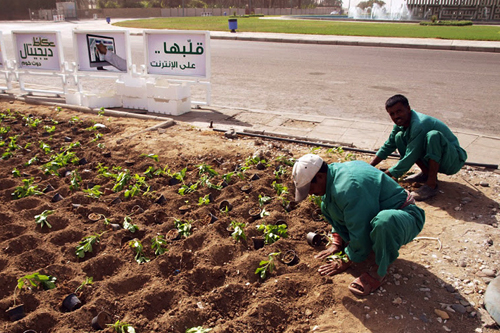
(303, 172)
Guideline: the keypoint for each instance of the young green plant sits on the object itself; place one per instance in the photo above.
(136, 245)
(267, 266)
(41, 219)
(35, 280)
(238, 230)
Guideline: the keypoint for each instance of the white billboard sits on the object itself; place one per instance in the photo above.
(103, 51)
(3, 57)
(178, 53)
(40, 50)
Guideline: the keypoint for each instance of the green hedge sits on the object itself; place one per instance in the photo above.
(447, 23)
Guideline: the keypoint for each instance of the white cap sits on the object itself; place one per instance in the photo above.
(303, 172)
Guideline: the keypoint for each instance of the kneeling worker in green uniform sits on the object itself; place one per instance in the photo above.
(423, 140)
(368, 211)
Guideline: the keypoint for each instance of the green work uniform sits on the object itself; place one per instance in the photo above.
(363, 206)
(426, 138)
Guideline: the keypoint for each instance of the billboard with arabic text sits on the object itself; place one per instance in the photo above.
(102, 50)
(38, 50)
(178, 53)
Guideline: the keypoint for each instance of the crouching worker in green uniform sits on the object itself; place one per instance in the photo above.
(368, 211)
(423, 140)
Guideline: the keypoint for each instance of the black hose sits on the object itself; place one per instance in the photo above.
(326, 145)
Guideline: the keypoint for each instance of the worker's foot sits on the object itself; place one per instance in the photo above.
(416, 178)
(425, 192)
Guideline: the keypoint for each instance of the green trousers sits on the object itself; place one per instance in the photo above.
(392, 229)
(437, 148)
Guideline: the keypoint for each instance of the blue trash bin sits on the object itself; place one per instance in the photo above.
(233, 24)
(108, 19)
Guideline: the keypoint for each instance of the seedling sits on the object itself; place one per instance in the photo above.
(26, 190)
(100, 113)
(74, 120)
(198, 329)
(4, 130)
(49, 129)
(227, 177)
(206, 169)
(159, 245)
(16, 173)
(122, 180)
(75, 180)
(267, 266)
(93, 192)
(238, 230)
(127, 224)
(185, 189)
(183, 227)
(255, 160)
(341, 155)
(60, 160)
(42, 218)
(35, 280)
(32, 161)
(151, 156)
(97, 136)
(31, 122)
(290, 161)
(279, 188)
(280, 172)
(273, 232)
(180, 175)
(88, 280)
(264, 213)
(122, 327)
(101, 145)
(86, 244)
(264, 199)
(338, 256)
(204, 200)
(316, 199)
(136, 245)
(137, 187)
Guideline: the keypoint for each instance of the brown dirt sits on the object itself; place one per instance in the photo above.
(208, 279)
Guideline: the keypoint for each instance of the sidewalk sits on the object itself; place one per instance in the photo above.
(350, 133)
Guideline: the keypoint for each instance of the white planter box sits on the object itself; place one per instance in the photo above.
(163, 90)
(171, 107)
(134, 103)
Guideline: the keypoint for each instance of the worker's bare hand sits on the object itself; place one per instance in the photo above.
(334, 267)
(329, 251)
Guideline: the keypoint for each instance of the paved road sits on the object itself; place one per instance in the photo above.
(337, 80)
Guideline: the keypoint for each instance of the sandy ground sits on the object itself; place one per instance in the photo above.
(207, 278)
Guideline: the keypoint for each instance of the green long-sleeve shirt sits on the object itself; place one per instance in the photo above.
(414, 137)
(355, 193)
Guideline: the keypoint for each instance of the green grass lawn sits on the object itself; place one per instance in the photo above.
(346, 28)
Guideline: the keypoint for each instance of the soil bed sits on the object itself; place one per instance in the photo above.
(206, 278)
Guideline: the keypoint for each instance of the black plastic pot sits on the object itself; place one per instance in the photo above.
(115, 201)
(82, 161)
(255, 177)
(115, 226)
(255, 213)
(99, 322)
(261, 166)
(57, 197)
(16, 313)
(71, 303)
(290, 258)
(246, 188)
(210, 218)
(258, 242)
(137, 210)
(48, 188)
(314, 239)
(94, 217)
(106, 154)
(161, 200)
(184, 209)
(225, 205)
(280, 222)
(172, 234)
(223, 184)
(173, 181)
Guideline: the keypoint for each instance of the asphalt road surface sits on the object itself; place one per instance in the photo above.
(458, 87)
